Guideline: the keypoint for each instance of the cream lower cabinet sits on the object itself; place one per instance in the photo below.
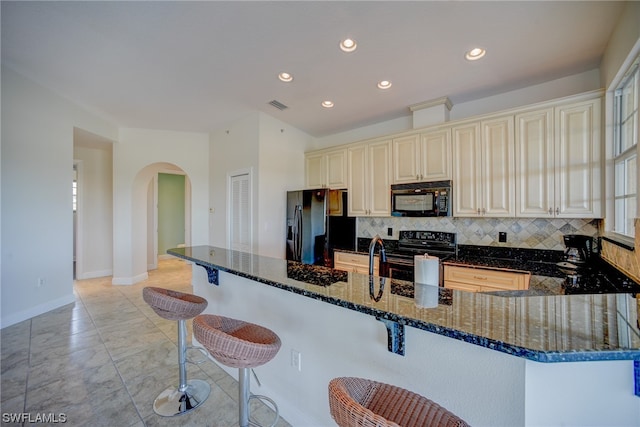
(355, 263)
(369, 179)
(422, 157)
(326, 169)
(472, 279)
(559, 161)
(483, 168)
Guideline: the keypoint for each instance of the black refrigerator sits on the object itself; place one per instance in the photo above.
(317, 223)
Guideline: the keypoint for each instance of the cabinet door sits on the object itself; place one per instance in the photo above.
(498, 178)
(314, 170)
(578, 161)
(357, 180)
(435, 155)
(379, 193)
(466, 170)
(406, 159)
(336, 170)
(534, 160)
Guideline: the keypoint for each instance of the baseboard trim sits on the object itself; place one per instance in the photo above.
(130, 280)
(37, 310)
(94, 274)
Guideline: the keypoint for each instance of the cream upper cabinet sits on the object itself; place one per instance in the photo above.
(436, 155)
(314, 170)
(422, 157)
(559, 161)
(466, 169)
(327, 169)
(483, 168)
(541, 163)
(369, 179)
(406, 159)
(578, 164)
(534, 157)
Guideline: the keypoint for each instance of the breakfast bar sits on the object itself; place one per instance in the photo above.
(478, 354)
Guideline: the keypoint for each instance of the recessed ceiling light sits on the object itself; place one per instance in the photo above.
(475, 53)
(348, 45)
(327, 104)
(285, 77)
(384, 84)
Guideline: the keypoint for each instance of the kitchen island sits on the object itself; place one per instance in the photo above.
(476, 354)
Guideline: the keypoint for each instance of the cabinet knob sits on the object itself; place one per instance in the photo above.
(550, 211)
(557, 211)
(478, 211)
(480, 277)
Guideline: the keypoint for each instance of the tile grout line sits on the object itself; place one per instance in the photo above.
(111, 358)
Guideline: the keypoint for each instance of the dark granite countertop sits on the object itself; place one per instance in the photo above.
(548, 328)
(597, 277)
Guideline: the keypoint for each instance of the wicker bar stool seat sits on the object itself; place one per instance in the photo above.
(359, 402)
(180, 306)
(173, 305)
(241, 345)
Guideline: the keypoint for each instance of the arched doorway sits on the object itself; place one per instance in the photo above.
(148, 214)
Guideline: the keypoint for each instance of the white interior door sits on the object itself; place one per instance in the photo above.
(240, 211)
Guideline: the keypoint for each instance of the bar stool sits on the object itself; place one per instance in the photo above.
(180, 306)
(241, 345)
(359, 402)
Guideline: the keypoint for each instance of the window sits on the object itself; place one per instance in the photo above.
(625, 151)
(74, 189)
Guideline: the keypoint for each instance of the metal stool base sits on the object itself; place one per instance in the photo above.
(173, 402)
(245, 395)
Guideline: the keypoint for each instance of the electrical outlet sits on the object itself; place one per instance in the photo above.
(502, 237)
(41, 282)
(296, 360)
(389, 231)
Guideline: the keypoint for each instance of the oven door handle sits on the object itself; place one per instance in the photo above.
(383, 269)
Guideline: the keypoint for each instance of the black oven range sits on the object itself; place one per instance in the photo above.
(400, 260)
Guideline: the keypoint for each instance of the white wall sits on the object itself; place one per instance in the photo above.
(274, 151)
(281, 169)
(232, 148)
(37, 218)
(570, 85)
(581, 394)
(138, 156)
(95, 207)
(624, 39)
(559, 88)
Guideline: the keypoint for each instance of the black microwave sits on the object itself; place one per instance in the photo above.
(421, 199)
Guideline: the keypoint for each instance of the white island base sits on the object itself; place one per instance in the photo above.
(482, 386)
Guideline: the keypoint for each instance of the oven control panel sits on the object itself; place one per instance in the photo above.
(428, 236)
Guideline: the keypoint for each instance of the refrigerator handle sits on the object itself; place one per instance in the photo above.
(297, 233)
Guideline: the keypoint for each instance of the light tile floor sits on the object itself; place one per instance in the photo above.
(103, 360)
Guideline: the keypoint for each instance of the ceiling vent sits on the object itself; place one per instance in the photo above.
(279, 105)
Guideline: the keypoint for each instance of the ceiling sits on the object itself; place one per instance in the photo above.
(195, 66)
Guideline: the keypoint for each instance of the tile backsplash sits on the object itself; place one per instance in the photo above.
(536, 233)
(626, 260)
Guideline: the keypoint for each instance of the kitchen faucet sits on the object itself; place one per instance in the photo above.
(383, 259)
(372, 248)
